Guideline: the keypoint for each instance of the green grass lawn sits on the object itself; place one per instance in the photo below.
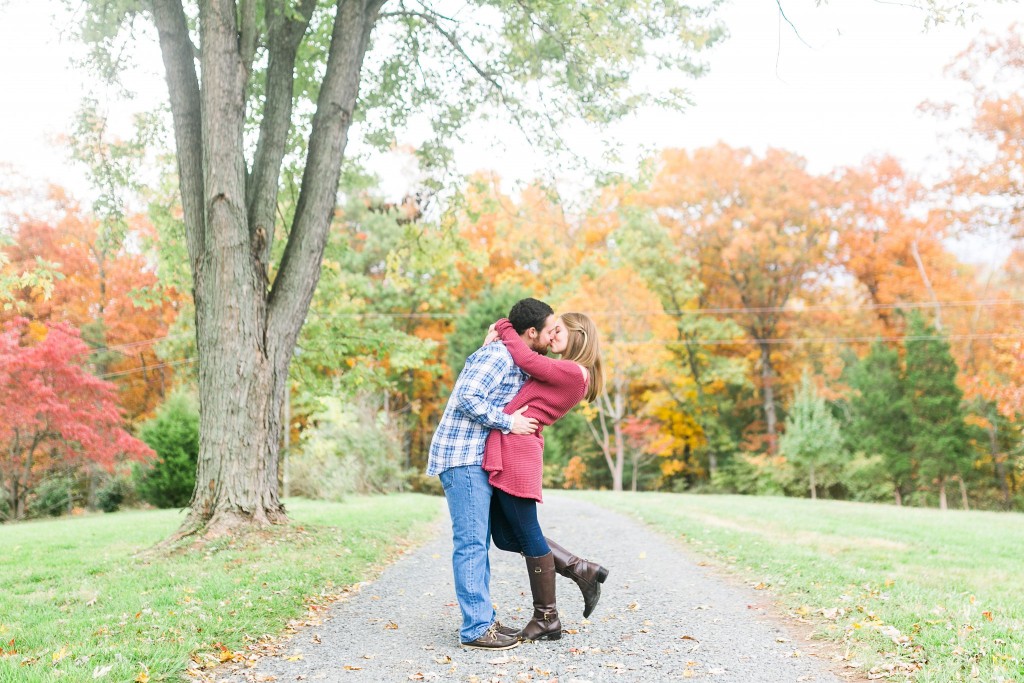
(79, 603)
(939, 595)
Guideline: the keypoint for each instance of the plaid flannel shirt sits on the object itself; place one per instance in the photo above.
(484, 387)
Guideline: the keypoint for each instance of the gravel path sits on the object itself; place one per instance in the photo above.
(661, 617)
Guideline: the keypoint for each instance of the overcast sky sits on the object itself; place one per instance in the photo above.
(851, 91)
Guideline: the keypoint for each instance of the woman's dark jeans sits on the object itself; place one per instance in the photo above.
(514, 525)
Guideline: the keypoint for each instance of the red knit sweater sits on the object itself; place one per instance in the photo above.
(516, 462)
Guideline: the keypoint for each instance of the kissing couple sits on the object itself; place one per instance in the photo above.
(488, 452)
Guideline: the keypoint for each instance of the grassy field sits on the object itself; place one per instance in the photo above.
(78, 604)
(938, 596)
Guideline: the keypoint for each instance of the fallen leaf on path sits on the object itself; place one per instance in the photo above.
(350, 667)
(761, 586)
(688, 638)
(500, 660)
(391, 626)
(443, 660)
(294, 658)
(633, 606)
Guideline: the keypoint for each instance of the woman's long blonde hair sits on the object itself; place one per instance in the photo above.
(583, 348)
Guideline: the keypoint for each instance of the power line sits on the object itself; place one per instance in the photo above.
(779, 341)
(821, 340)
(145, 368)
(908, 305)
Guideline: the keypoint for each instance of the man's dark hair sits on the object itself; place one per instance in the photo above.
(527, 313)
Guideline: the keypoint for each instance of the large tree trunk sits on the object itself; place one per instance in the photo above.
(897, 495)
(943, 503)
(768, 395)
(246, 330)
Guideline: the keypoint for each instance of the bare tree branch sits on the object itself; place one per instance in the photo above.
(183, 87)
(284, 34)
(248, 35)
(300, 266)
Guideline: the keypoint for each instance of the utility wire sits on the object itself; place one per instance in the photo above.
(780, 341)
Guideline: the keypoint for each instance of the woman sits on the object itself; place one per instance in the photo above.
(515, 463)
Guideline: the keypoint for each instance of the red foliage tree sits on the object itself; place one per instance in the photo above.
(56, 414)
(106, 289)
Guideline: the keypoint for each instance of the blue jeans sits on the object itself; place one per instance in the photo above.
(514, 525)
(469, 503)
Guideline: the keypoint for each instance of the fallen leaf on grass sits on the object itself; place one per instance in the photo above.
(101, 671)
(987, 615)
(143, 677)
(60, 654)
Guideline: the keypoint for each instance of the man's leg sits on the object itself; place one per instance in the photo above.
(469, 501)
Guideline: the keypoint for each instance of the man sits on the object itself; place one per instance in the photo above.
(484, 387)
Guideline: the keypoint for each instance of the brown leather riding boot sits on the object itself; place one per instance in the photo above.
(545, 624)
(588, 575)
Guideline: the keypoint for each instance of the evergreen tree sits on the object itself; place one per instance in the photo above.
(174, 435)
(812, 441)
(879, 421)
(938, 436)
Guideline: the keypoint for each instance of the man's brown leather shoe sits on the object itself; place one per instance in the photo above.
(493, 640)
(506, 630)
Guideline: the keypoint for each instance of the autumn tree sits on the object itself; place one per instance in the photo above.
(692, 392)
(258, 89)
(757, 229)
(632, 330)
(56, 414)
(988, 179)
(105, 289)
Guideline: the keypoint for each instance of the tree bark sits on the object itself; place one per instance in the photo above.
(897, 495)
(943, 504)
(814, 485)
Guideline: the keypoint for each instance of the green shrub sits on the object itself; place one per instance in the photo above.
(115, 492)
(174, 435)
(352, 447)
(51, 498)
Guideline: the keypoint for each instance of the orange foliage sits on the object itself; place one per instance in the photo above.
(105, 284)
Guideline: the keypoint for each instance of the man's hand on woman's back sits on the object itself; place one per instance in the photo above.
(521, 424)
